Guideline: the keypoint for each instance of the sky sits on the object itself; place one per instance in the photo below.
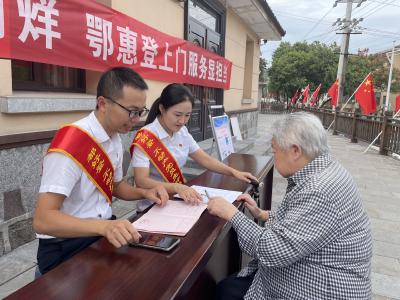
(312, 20)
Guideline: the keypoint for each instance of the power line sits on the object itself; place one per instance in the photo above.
(362, 7)
(307, 19)
(372, 9)
(380, 31)
(322, 34)
(368, 45)
(385, 3)
(329, 38)
(316, 24)
(382, 35)
(378, 8)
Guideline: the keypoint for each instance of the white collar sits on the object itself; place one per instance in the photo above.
(97, 129)
(162, 133)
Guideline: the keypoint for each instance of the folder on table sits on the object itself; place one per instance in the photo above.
(175, 218)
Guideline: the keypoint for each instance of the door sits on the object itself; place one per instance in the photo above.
(197, 35)
(201, 33)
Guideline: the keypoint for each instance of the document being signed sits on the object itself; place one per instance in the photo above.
(228, 195)
(175, 218)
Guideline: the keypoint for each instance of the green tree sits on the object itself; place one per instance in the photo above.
(295, 66)
(263, 70)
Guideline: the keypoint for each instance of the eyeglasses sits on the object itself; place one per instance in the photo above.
(133, 113)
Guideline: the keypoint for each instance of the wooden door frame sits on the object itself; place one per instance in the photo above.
(220, 10)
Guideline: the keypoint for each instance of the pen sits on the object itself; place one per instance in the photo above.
(207, 194)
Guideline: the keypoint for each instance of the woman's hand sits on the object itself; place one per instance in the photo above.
(188, 194)
(251, 205)
(158, 194)
(244, 176)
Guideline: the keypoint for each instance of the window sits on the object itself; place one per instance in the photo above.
(204, 15)
(31, 76)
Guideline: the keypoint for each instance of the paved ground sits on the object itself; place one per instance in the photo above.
(378, 178)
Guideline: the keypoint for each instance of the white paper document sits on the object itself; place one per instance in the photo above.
(175, 218)
(229, 195)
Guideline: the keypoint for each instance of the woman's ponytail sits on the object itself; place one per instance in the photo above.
(154, 112)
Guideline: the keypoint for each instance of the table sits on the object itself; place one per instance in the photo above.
(207, 254)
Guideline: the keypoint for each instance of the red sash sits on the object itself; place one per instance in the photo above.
(83, 149)
(159, 155)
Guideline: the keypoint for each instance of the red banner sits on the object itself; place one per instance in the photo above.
(89, 35)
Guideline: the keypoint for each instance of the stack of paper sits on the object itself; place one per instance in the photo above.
(228, 195)
(175, 218)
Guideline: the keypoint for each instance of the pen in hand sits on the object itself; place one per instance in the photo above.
(207, 194)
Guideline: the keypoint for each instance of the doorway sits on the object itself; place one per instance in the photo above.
(205, 27)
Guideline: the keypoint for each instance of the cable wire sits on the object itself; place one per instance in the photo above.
(316, 24)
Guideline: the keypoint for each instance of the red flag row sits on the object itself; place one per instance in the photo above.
(364, 95)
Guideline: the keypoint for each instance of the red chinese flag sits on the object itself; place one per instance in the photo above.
(306, 92)
(295, 97)
(365, 95)
(314, 95)
(333, 92)
(397, 103)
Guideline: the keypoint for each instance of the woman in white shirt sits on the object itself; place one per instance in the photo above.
(166, 121)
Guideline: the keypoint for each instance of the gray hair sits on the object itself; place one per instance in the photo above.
(302, 129)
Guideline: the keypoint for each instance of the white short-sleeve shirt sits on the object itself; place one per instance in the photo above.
(180, 145)
(62, 175)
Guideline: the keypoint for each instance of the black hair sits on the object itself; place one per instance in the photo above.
(171, 95)
(112, 82)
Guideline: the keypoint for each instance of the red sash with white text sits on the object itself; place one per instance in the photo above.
(159, 155)
(83, 149)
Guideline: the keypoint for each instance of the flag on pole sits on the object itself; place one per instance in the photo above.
(397, 103)
(314, 95)
(306, 93)
(333, 92)
(365, 95)
(295, 97)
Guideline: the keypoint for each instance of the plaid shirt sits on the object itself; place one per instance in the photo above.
(317, 245)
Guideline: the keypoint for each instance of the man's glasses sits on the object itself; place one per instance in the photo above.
(133, 113)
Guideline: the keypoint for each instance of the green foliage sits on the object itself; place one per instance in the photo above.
(381, 67)
(295, 66)
(263, 70)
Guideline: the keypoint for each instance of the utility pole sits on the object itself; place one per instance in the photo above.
(387, 103)
(347, 24)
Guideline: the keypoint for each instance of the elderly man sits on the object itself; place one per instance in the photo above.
(318, 244)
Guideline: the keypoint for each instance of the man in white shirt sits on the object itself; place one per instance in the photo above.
(73, 209)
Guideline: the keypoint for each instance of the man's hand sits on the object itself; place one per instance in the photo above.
(158, 194)
(120, 232)
(219, 207)
(251, 205)
(188, 194)
(244, 176)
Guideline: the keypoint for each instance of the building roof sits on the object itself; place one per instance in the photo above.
(259, 17)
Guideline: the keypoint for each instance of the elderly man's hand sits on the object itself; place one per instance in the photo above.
(219, 207)
(251, 205)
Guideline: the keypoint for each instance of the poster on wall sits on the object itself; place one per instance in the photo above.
(222, 135)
